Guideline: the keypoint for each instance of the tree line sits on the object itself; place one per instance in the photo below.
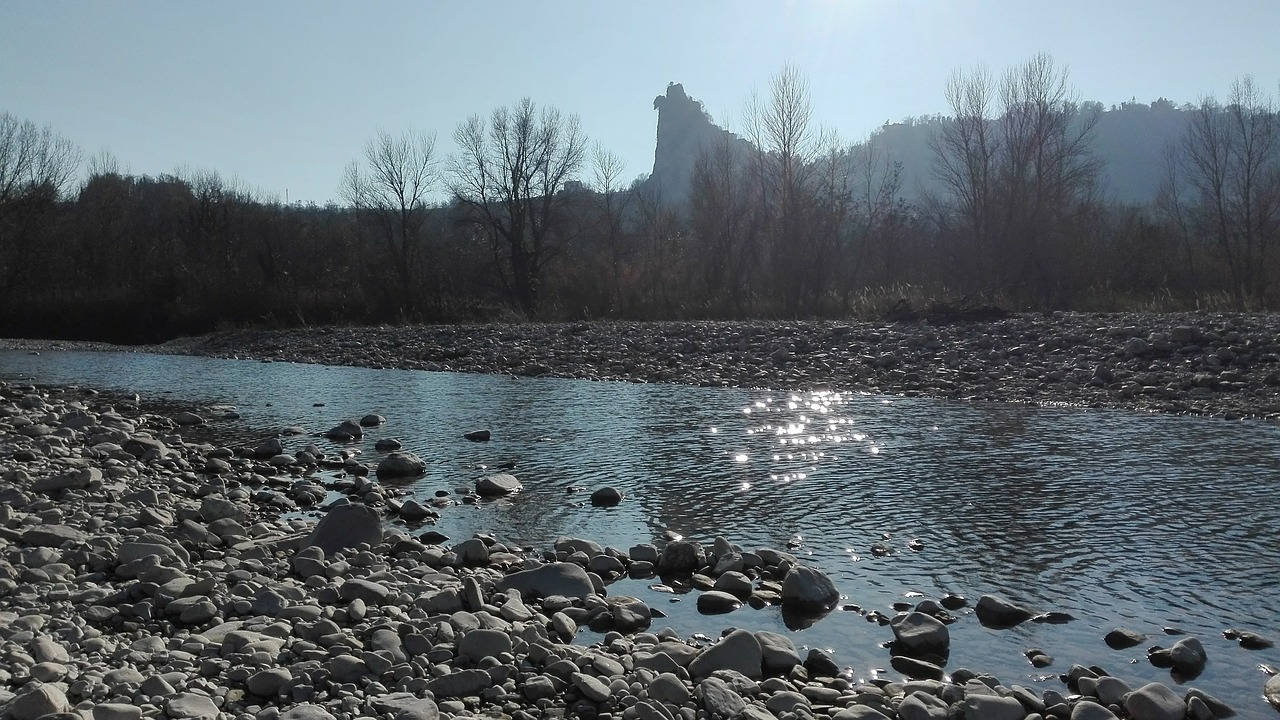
(537, 223)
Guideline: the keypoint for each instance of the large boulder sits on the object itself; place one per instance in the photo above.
(739, 651)
(1188, 656)
(680, 557)
(401, 465)
(806, 589)
(1155, 702)
(918, 633)
(346, 526)
(560, 578)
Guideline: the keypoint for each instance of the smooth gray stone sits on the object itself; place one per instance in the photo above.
(500, 484)
(370, 592)
(997, 612)
(52, 536)
(406, 706)
(917, 632)
(460, 683)
(591, 687)
(116, 711)
(992, 707)
(561, 578)
(1089, 710)
(344, 527)
(1155, 701)
(306, 711)
(738, 651)
(807, 589)
(669, 688)
(478, 644)
(401, 465)
(190, 706)
(43, 700)
(921, 705)
(719, 699)
(778, 653)
(267, 683)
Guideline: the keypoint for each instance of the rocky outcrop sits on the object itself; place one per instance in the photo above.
(685, 130)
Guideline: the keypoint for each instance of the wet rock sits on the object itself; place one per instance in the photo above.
(188, 418)
(372, 420)
(1271, 691)
(1188, 657)
(714, 602)
(1249, 640)
(496, 485)
(387, 445)
(919, 633)
(1215, 706)
(478, 436)
(606, 497)
(680, 557)
(997, 612)
(401, 465)
(346, 431)
(916, 669)
(630, 614)
(806, 589)
(1123, 638)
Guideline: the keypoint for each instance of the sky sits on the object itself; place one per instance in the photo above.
(282, 94)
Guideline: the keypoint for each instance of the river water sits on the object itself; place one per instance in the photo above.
(1120, 519)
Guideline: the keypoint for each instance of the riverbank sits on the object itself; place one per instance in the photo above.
(144, 573)
(1215, 364)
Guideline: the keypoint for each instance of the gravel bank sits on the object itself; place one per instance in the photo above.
(145, 575)
(1225, 365)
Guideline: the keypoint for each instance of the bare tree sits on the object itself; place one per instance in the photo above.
(611, 204)
(392, 191)
(725, 221)
(37, 167)
(1013, 174)
(507, 176)
(784, 168)
(1223, 185)
(34, 159)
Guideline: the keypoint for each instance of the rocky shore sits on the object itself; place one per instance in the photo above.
(1224, 365)
(145, 574)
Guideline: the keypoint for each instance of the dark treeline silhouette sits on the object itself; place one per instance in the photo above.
(1020, 196)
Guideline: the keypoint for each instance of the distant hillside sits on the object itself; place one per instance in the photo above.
(1130, 138)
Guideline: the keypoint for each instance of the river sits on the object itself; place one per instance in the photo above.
(1119, 519)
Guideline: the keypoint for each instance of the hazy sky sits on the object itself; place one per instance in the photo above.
(282, 94)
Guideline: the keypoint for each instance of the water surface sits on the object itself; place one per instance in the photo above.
(1120, 519)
